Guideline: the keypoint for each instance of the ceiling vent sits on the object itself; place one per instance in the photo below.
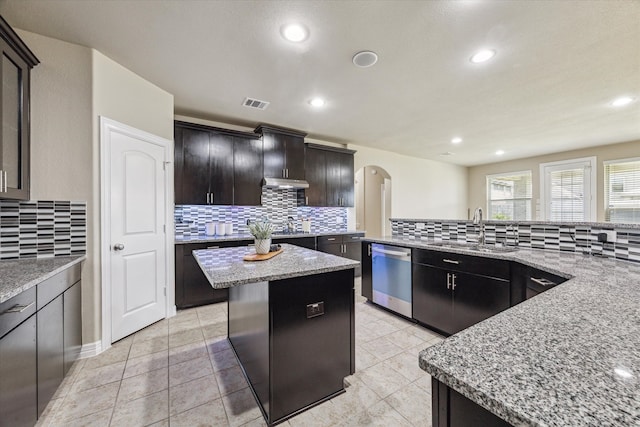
(255, 103)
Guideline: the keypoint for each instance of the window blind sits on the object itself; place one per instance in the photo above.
(567, 195)
(622, 191)
(509, 196)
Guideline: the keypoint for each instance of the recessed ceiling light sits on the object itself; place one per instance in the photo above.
(499, 152)
(447, 153)
(365, 59)
(317, 102)
(622, 101)
(483, 55)
(294, 32)
(456, 140)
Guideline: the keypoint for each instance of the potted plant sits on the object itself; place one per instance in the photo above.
(261, 231)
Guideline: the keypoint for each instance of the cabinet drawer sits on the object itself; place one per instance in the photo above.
(54, 286)
(465, 263)
(353, 237)
(16, 310)
(328, 240)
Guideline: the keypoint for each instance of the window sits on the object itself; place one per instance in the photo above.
(509, 196)
(622, 190)
(568, 190)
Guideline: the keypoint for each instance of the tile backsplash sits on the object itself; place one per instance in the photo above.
(571, 237)
(277, 205)
(42, 229)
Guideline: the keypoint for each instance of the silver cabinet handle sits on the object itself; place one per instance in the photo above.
(19, 308)
(451, 261)
(543, 281)
(331, 239)
(369, 245)
(212, 198)
(453, 282)
(213, 247)
(283, 174)
(207, 198)
(5, 182)
(388, 252)
(448, 280)
(118, 247)
(1, 181)
(287, 172)
(306, 200)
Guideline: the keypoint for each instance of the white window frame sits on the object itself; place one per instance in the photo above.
(606, 180)
(590, 179)
(488, 192)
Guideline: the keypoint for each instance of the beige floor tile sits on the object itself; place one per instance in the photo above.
(358, 397)
(424, 382)
(412, 403)
(224, 359)
(152, 345)
(259, 422)
(423, 333)
(187, 352)
(163, 423)
(383, 348)
(143, 411)
(231, 380)
(146, 363)
(217, 344)
(186, 336)
(215, 330)
(142, 385)
(383, 380)
(189, 370)
(380, 414)
(407, 365)
(117, 353)
(211, 414)
(403, 338)
(323, 415)
(241, 407)
(87, 402)
(89, 378)
(98, 419)
(193, 393)
(46, 419)
(158, 329)
(364, 359)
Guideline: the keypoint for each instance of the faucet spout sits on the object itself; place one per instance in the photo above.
(477, 220)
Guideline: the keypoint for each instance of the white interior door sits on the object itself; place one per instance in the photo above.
(137, 222)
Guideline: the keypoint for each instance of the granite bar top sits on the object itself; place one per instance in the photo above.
(17, 276)
(203, 238)
(225, 268)
(569, 356)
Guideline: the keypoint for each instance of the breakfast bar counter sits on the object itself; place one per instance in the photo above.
(291, 323)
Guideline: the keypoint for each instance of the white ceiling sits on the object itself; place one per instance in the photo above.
(558, 65)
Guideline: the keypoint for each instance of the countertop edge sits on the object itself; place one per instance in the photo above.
(239, 237)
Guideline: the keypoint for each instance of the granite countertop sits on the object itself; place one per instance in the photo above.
(569, 356)
(225, 268)
(17, 276)
(203, 238)
(605, 225)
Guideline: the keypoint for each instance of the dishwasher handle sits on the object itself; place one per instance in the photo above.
(392, 253)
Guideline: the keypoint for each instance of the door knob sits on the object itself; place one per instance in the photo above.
(118, 247)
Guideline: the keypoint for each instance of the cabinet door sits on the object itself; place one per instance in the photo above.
(196, 288)
(14, 112)
(18, 376)
(476, 298)
(274, 147)
(331, 248)
(305, 242)
(333, 183)
(353, 250)
(221, 169)
(50, 350)
(72, 325)
(346, 179)
(194, 147)
(247, 171)
(367, 282)
(432, 301)
(294, 157)
(316, 175)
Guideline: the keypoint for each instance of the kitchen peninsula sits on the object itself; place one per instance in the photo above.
(290, 323)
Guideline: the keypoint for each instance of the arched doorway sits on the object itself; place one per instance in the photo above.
(373, 201)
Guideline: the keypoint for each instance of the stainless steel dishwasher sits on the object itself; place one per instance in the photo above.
(391, 271)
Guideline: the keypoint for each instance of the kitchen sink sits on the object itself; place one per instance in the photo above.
(475, 247)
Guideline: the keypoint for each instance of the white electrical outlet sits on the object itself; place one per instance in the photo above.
(339, 220)
(612, 236)
(419, 225)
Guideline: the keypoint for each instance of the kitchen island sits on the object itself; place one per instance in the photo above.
(291, 323)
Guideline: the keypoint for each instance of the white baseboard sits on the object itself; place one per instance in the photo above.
(91, 349)
(172, 311)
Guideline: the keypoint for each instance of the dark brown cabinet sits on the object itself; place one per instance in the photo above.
(192, 287)
(15, 75)
(50, 350)
(283, 153)
(366, 265)
(216, 166)
(452, 292)
(343, 245)
(305, 242)
(329, 171)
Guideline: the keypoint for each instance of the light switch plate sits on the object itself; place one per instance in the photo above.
(612, 236)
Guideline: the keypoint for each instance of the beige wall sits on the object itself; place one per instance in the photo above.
(477, 174)
(420, 188)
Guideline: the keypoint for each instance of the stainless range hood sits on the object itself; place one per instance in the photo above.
(284, 183)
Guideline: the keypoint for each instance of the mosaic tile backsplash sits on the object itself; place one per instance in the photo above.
(42, 229)
(563, 237)
(277, 205)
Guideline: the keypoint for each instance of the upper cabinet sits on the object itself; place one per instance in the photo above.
(216, 166)
(283, 152)
(17, 61)
(329, 171)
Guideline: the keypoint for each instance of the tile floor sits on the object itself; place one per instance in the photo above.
(182, 372)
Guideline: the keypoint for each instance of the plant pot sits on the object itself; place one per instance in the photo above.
(262, 246)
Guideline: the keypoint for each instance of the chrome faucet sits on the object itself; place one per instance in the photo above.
(290, 225)
(477, 220)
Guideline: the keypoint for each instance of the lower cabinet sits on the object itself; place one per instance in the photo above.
(72, 325)
(18, 376)
(50, 350)
(305, 242)
(192, 287)
(367, 270)
(343, 245)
